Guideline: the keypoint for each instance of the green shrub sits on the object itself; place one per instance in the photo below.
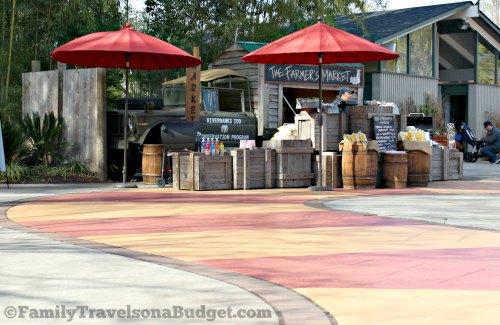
(43, 136)
(16, 172)
(14, 142)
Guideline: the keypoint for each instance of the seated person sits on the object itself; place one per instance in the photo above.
(492, 141)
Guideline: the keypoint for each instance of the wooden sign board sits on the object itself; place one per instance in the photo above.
(193, 91)
(309, 74)
(385, 132)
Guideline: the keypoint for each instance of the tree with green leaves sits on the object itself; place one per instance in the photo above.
(214, 25)
(37, 28)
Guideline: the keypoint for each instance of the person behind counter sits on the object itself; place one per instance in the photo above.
(339, 103)
(492, 141)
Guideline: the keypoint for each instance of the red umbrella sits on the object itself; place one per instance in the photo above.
(127, 49)
(318, 44)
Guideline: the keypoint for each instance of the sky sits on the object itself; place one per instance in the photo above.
(137, 4)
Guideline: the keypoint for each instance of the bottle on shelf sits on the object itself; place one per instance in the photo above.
(221, 148)
(212, 147)
(207, 148)
(202, 145)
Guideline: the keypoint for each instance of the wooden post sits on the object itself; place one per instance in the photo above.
(35, 65)
(268, 183)
(193, 90)
(246, 169)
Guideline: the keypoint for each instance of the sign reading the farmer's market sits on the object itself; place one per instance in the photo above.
(309, 74)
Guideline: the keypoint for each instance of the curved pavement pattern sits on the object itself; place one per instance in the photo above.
(360, 267)
(45, 274)
(44, 270)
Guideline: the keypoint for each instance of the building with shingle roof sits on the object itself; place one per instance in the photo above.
(448, 52)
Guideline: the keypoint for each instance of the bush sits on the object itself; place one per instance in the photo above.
(16, 172)
(14, 142)
(71, 172)
(43, 136)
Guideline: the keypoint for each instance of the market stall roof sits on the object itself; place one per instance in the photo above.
(209, 75)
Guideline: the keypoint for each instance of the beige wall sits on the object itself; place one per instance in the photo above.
(78, 96)
(394, 87)
(483, 99)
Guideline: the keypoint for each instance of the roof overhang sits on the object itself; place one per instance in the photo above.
(465, 11)
(209, 75)
(483, 32)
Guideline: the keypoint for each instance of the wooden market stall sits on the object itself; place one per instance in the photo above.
(274, 93)
(275, 88)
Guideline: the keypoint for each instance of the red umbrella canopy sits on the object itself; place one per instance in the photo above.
(336, 46)
(109, 49)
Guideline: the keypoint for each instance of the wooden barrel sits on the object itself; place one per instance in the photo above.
(359, 168)
(395, 169)
(151, 162)
(419, 167)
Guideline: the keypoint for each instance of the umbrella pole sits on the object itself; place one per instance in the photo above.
(125, 127)
(125, 130)
(320, 186)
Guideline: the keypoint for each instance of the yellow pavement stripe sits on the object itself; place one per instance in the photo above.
(41, 211)
(300, 242)
(408, 306)
(460, 191)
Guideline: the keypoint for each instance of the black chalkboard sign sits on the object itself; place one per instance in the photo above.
(385, 132)
(309, 74)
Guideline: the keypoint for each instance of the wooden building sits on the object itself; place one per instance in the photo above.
(448, 51)
(275, 88)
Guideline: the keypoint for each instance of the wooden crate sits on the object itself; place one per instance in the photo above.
(293, 162)
(329, 170)
(456, 165)
(253, 168)
(335, 125)
(197, 172)
(447, 164)
(441, 139)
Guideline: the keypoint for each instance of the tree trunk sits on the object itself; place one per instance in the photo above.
(2, 46)
(9, 61)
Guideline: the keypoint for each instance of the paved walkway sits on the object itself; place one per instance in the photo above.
(45, 270)
(338, 248)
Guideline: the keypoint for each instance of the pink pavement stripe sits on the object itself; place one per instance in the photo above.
(213, 222)
(442, 269)
(201, 197)
(191, 197)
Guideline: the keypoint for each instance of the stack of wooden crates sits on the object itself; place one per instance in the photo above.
(283, 163)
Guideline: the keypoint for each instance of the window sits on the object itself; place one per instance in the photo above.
(498, 71)
(399, 65)
(486, 64)
(421, 52)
